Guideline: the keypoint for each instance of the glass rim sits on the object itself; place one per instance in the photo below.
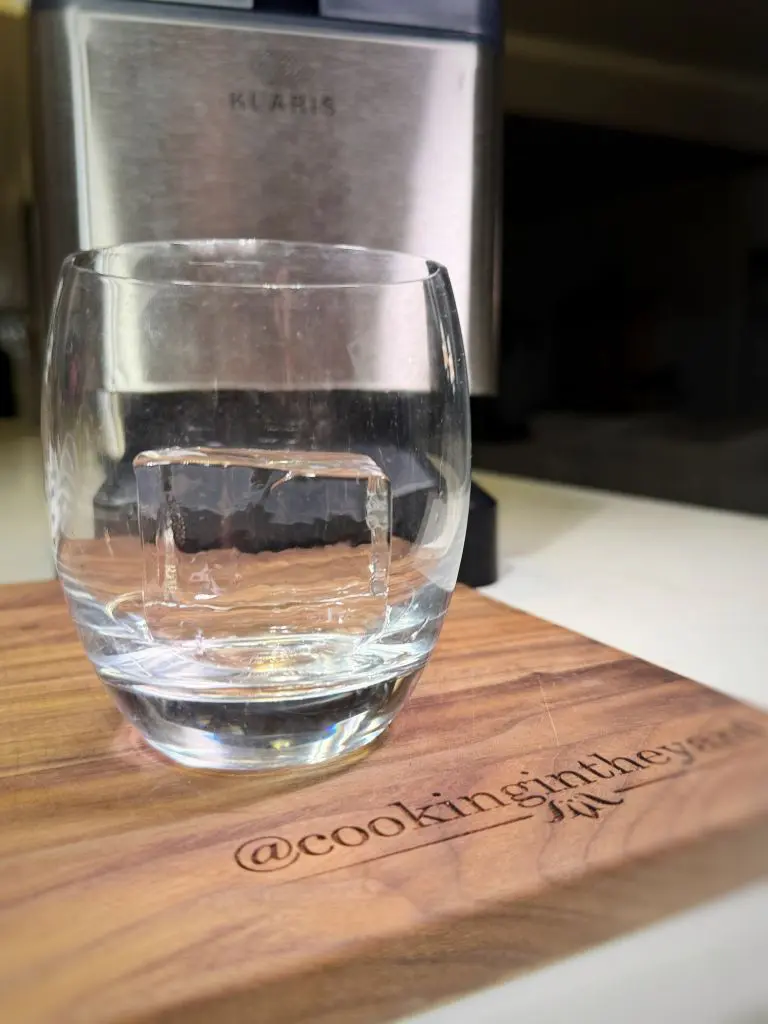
(424, 269)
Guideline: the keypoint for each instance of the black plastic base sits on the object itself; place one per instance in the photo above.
(479, 563)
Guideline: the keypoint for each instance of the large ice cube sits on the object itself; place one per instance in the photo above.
(242, 542)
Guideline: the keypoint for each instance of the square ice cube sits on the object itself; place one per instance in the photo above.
(242, 542)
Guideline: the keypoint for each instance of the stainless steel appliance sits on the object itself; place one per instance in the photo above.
(372, 122)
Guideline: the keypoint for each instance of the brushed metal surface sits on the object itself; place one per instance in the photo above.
(217, 124)
(243, 5)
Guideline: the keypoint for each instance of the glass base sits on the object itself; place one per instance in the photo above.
(262, 735)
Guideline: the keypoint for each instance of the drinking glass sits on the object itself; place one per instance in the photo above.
(257, 467)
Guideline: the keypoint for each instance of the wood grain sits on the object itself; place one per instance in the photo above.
(580, 793)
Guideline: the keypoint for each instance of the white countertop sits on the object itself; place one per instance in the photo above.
(680, 586)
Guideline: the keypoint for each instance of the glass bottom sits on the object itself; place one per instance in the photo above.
(262, 735)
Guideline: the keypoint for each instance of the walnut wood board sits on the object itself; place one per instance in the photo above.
(539, 793)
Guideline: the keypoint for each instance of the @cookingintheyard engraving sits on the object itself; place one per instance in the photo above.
(561, 796)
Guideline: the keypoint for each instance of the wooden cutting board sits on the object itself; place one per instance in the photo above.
(540, 793)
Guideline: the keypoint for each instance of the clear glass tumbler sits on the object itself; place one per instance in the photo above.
(257, 463)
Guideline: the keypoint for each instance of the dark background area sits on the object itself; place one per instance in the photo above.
(634, 346)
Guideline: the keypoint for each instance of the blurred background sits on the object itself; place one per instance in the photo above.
(633, 348)
(634, 351)
(15, 205)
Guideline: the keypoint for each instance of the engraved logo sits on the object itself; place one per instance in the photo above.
(288, 102)
(592, 787)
